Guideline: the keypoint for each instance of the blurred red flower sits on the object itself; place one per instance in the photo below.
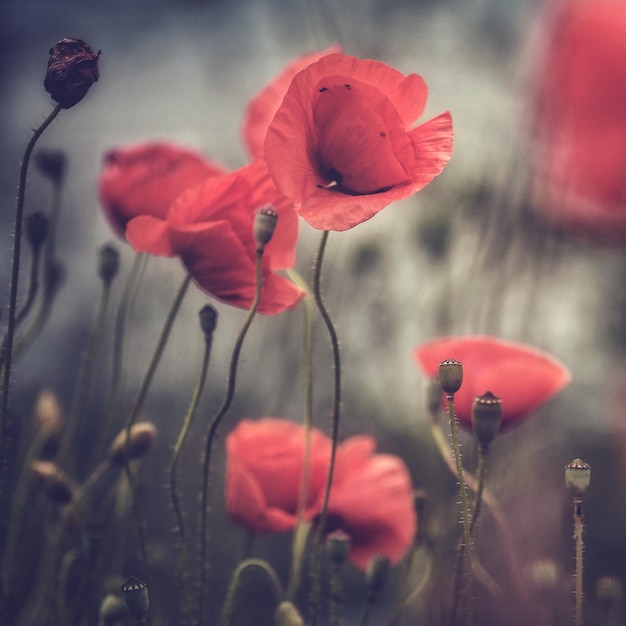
(524, 377)
(262, 108)
(341, 147)
(264, 465)
(145, 178)
(371, 499)
(210, 227)
(580, 120)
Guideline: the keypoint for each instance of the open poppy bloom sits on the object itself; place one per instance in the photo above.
(522, 376)
(341, 144)
(145, 178)
(580, 120)
(262, 108)
(372, 501)
(264, 466)
(210, 228)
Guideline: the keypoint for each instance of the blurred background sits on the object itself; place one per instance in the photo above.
(466, 255)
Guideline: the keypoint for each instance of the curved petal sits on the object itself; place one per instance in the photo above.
(149, 234)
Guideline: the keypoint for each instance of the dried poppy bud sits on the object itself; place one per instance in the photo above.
(51, 163)
(208, 320)
(108, 264)
(72, 69)
(53, 481)
(265, 221)
(338, 546)
(450, 375)
(577, 478)
(140, 442)
(36, 229)
(136, 597)
(287, 614)
(486, 418)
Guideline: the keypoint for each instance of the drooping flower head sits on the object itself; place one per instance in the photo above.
(579, 111)
(523, 377)
(342, 145)
(145, 178)
(210, 228)
(371, 499)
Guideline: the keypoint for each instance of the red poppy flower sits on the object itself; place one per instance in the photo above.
(145, 178)
(580, 120)
(262, 108)
(210, 227)
(341, 147)
(264, 464)
(522, 376)
(372, 501)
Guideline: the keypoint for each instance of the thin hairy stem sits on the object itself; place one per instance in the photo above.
(578, 538)
(213, 425)
(317, 544)
(33, 287)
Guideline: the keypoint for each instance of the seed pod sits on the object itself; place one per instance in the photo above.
(577, 478)
(136, 597)
(450, 375)
(486, 417)
(265, 221)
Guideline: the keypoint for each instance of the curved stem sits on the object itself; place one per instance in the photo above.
(213, 425)
(180, 521)
(315, 565)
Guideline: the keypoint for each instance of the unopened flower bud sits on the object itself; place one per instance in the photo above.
(51, 163)
(338, 546)
(287, 614)
(36, 229)
(108, 263)
(486, 418)
(140, 441)
(136, 597)
(377, 574)
(112, 610)
(72, 69)
(208, 320)
(53, 481)
(48, 414)
(265, 221)
(450, 376)
(577, 478)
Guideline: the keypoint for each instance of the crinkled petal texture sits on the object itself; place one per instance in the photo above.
(341, 144)
(262, 108)
(580, 120)
(210, 227)
(145, 178)
(264, 466)
(372, 501)
(522, 376)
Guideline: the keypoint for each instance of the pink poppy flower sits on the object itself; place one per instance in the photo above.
(522, 376)
(580, 120)
(145, 178)
(210, 228)
(264, 465)
(262, 108)
(372, 501)
(341, 144)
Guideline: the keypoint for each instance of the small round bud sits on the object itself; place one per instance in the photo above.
(47, 414)
(112, 610)
(51, 164)
(450, 376)
(108, 263)
(287, 614)
(72, 70)
(53, 482)
(486, 418)
(577, 478)
(136, 597)
(36, 229)
(265, 221)
(208, 320)
(141, 440)
(377, 574)
(338, 546)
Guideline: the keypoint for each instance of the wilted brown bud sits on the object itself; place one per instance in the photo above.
(577, 478)
(108, 263)
(72, 69)
(265, 221)
(450, 375)
(486, 418)
(140, 442)
(136, 597)
(53, 481)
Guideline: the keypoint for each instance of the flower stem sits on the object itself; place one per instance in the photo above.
(578, 537)
(317, 545)
(467, 539)
(213, 425)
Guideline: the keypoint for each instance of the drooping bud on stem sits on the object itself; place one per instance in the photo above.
(486, 418)
(450, 376)
(265, 221)
(53, 481)
(208, 320)
(108, 264)
(36, 230)
(52, 164)
(141, 440)
(136, 598)
(577, 478)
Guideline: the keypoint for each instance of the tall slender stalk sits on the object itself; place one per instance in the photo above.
(578, 538)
